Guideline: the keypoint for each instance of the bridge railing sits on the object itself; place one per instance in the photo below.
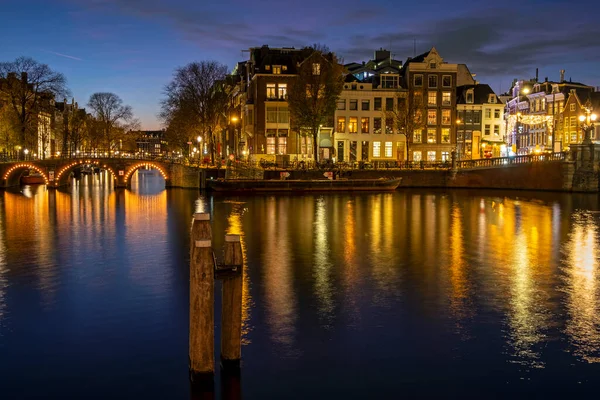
(503, 161)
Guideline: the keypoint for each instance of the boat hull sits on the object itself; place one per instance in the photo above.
(299, 185)
(32, 180)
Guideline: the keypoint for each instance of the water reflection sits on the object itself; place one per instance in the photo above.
(322, 263)
(582, 288)
(279, 282)
(235, 227)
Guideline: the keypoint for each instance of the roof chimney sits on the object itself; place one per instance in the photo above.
(562, 76)
(536, 74)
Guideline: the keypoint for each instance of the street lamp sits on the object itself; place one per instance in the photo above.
(587, 124)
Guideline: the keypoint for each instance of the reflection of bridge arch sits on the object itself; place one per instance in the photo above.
(137, 166)
(68, 167)
(24, 165)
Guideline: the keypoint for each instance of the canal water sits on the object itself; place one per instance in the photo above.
(412, 294)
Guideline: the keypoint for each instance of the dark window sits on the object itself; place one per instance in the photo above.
(340, 151)
(377, 105)
(376, 125)
(389, 103)
(353, 104)
(433, 81)
(365, 106)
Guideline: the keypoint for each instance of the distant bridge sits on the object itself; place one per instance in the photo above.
(57, 172)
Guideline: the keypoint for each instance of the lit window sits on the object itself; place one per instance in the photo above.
(445, 135)
(445, 156)
(496, 130)
(388, 149)
(282, 144)
(316, 69)
(353, 125)
(431, 135)
(431, 117)
(432, 98)
(446, 99)
(271, 91)
(488, 113)
(376, 149)
(341, 124)
(271, 138)
(416, 156)
(276, 69)
(431, 156)
(364, 125)
(445, 117)
(282, 90)
(417, 136)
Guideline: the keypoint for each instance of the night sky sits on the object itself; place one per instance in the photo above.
(131, 47)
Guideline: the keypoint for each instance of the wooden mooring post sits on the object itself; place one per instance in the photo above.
(203, 272)
(202, 298)
(231, 312)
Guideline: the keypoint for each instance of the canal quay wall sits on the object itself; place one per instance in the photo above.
(548, 176)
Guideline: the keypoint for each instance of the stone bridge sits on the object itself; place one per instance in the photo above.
(57, 172)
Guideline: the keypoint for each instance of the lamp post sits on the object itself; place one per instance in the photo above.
(234, 121)
(587, 124)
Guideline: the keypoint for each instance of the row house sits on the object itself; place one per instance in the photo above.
(261, 98)
(363, 130)
(480, 122)
(435, 81)
(569, 127)
(534, 114)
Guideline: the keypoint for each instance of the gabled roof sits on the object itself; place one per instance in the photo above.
(481, 94)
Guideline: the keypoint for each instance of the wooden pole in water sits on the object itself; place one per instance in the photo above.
(202, 297)
(231, 313)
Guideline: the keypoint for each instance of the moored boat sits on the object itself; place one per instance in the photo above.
(32, 178)
(304, 185)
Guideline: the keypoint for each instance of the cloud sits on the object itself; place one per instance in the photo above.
(63, 55)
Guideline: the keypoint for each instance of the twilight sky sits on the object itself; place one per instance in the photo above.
(131, 47)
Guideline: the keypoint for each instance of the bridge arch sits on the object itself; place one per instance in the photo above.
(63, 173)
(146, 164)
(9, 176)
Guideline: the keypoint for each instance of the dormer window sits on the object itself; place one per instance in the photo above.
(432, 64)
(267, 67)
(284, 67)
(491, 99)
(276, 69)
(316, 69)
(470, 97)
(389, 81)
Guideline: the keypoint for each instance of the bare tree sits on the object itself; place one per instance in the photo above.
(25, 83)
(9, 129)
(314, 92)
(408, 115)
(111, 115)
(197, 92)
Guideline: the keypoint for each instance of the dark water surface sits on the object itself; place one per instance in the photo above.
(413, 294)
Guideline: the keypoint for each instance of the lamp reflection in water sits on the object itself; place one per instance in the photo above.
(322, 263)
(582, 287)
(278, 278)
(234, 227)
(459, 283)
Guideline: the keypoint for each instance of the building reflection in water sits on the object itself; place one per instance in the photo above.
(279, 280)
(235, 227)
(581, 287)
(350, 271)
(322, 262)
(3, 266)
(460, 306)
